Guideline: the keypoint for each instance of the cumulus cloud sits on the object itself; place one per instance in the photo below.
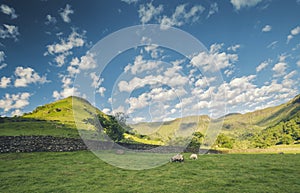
(64, 13)
(181, 16)
(148, 12)
(106, 111)
(14, 101)
(2, 66)
(263, 65)
(8, 11)
(140, 65)
(85, 62)
(9, 31)
(213, 9)
(214, 60)
(239, 4)
(50, 20)
(267, 28)
(25, 76)
(279, 69)
(234, 47)
(130, 1)
(74, 40)
(2, 56)
(97, 81)
(293, 33)
(4, 82)
(64, 48)
(67, 89)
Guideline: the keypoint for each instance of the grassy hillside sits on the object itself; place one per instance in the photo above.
(56, 119)
(84, 172)
(240, 127)
(61, 112)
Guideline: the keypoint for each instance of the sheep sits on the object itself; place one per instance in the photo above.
(194, 156)
(177, 158)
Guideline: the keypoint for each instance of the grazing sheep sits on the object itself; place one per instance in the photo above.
(177, 158)
(194, 156)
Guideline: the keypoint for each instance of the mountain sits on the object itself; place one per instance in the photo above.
(240, 127)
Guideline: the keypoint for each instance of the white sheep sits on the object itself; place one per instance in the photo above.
(194, 156)
(177, 158)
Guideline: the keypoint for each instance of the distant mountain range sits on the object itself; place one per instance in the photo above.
(244, 129)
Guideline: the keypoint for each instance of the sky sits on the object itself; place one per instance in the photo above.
(153, 60)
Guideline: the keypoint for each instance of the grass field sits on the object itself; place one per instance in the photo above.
(83, 172)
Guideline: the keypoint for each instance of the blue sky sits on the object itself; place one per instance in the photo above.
(252, 47)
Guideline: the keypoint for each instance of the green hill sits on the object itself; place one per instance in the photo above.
(240, 127)
(56, 119)
(61, 112)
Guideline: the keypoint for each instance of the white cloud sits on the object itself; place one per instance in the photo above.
(50, 20)
(60, 60)
(298, 63)
(263, 65)
(130, 1)
(234, 47)
(2, 66)
(106, 111)
(14, 101)
(67, 89)
(2, 56)
(213, 9)
(279, 69)
(238, 4)
(63, 49)
(140, 65)
(64, 13)
(293, 33)
(214, 60)
(148, 12)
(101, 90)
(272, 45)
(74, 40)
(8, 11)
(138, 119)
(86, 62)
(9, 31)
(27, 76)
(4, 82)
(97, 81)
(16, 112)
(267, 28)
(181, 16)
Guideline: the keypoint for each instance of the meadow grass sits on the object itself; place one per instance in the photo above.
(82, 171)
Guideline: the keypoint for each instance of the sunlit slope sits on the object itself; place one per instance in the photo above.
(180, 127)
(241, 124)
(61, 112)
(235, 125)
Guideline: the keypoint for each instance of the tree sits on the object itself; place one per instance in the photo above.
(122, 120)
(224, 141)
(108, 125)
(195, 142)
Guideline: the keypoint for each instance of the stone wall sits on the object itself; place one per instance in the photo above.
(61, 144)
